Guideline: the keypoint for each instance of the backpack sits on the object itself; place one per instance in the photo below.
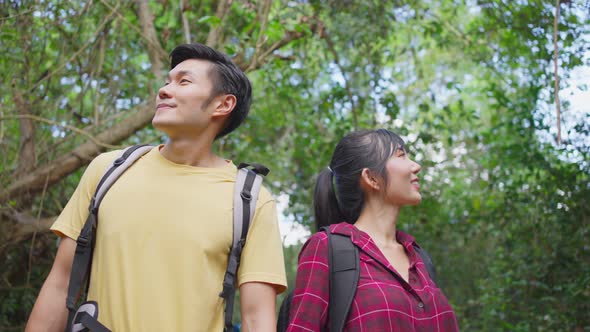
(344, 265)
(246, 189)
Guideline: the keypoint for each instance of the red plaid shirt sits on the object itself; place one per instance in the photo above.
(383, 300)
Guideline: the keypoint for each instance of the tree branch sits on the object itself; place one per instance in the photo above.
(185, 25)
(97, 73)
(162, 54)
(64, 165)
(21, 228)
(54, 123)
(88, 43)
(69, 162)
(556, 70)
(154, 48)
(43, 154)
(346, 81)
(263, 12)
(25, 229)
(267, 52)
(29, 270)
(26, 156)
(215, 33)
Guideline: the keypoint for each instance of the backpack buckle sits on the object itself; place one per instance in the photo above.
(227, 286)
(82, 240)
(119, 161)
(247, 196)
(90, 308)
(256, 168)
(86, 319)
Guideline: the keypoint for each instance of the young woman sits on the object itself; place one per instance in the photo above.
(370, 178)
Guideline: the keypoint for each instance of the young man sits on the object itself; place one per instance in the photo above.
(166, 225)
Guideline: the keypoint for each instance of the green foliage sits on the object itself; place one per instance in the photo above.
(468, 84)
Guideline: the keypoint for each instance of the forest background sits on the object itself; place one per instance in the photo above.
(470, 84)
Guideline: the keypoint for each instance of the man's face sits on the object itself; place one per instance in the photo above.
(184, 104)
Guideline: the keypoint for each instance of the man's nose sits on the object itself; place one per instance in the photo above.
(164, 92)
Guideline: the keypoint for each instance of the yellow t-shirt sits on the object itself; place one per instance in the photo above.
(164, 233)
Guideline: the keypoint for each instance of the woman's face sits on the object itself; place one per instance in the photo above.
(402, 180)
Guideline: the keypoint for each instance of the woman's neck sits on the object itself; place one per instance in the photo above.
(379, 221)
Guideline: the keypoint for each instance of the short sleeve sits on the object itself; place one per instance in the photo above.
(311, 295)
(72, 217)
(262, 258)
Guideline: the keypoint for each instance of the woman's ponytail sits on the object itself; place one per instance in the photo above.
(325, 202)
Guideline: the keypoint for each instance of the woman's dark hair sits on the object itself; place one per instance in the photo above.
(225, 76)
(338, 195)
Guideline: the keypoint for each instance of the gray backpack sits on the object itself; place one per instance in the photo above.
(246, 189)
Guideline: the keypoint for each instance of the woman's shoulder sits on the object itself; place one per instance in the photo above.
(318, 238)
(317, 244)
(316, 247)
(321, 237)
(343, 228)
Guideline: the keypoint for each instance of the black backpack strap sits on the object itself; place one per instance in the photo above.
(246, 189)
(428, 262)
(86, 240)
(283, 319)
(85, 319)
(343, 258)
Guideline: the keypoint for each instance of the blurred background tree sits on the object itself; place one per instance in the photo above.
(470, 85)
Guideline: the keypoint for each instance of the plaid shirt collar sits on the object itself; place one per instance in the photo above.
(366, 244)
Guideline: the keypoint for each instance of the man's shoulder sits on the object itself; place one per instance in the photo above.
(107, 158)
(101, 163)
(265, 196)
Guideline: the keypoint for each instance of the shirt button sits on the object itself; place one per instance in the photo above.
(421, 305)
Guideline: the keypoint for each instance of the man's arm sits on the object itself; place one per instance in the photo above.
(258, 306)
(50, 312)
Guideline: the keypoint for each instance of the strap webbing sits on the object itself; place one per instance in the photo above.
(246, 189)
(343, 258)
(85, 243)
(91, 323)
(120, 165)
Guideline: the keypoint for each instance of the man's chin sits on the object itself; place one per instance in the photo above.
(161, 124)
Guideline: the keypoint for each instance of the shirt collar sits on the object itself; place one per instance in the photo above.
(361, 238)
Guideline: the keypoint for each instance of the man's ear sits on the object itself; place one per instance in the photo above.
(369, 180)
(225, 104)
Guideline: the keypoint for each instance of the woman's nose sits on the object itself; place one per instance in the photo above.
(416, 167)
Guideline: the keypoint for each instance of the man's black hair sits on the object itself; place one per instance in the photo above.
(226, 77)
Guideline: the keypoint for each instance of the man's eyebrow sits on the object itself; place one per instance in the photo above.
(179, 73)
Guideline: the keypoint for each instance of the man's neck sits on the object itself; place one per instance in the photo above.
(193, 152)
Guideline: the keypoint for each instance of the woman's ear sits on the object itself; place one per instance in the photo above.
(369, 180)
